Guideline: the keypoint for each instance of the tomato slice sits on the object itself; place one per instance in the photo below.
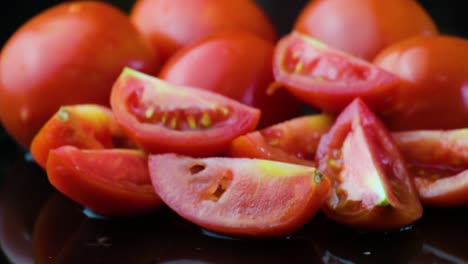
(162, 117)
(236, 196)
(109, 181)
(330, 79)
(438, 162)
(292, 141)
(371, 186)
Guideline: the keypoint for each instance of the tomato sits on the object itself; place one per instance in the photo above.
(371, 186)
(69, 54)
(293, 141)
(242, 197)
(364, 27)
(170, 25)
(108, 182)
(162, 117)
(237, 65)
(438, 161)
(329, 79)
(436, 92)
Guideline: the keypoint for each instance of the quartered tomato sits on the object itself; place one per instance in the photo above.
(108, 182)
(329, 79)
(162, 117)
(235, 64)
(293, 141)
(371, 187)
(243, 197)
(438, 162)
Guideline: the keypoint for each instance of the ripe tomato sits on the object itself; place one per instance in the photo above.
(364, 27)
(245, 197)
(237, 65)
(330, 79)
(109, 182)
(438, 162)
(371, 186)
(293, 141)
(69, 54)
(170, 25)
(161, 117)
(436, 93)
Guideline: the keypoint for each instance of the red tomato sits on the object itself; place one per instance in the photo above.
(244, 197)
(161, 117)
(371, 186)
(364, 27)
(293, 141)
(69, 54)
(330, 79)
(108, 182)
(237, 65)
(436, 94)
(438, 162)
(170, 25)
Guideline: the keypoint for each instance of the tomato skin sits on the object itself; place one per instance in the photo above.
(171, 25)
(110, 182)
(435, 69)
(372, 188)
(66, 55)
(235, 64)
(240, 197)
(364, 27)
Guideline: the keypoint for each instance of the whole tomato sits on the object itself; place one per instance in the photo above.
(364, 27)
(68, 54)
(436, 71)
(170, 25)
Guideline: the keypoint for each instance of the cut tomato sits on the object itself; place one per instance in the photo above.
(438, 162)
(292, 141)
(108, 182)
(243, 197)
(162, 117)
(330, 79)
(371, 186)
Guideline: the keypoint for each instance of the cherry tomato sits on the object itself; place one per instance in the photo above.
(329, 79)
(438, 162)
(364, 27)
(371, 186)
(243, 197)
(170, 25)
(162, 117)
(436, 93)
(237, 65)
(69, 54)
(108, 182)
(292, 141)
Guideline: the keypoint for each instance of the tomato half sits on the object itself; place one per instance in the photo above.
(371, 186)
(244, 197)
(237, 65)
(329, 79)
(109, 182)
(436, 92)
(162, 117)
(69, 54)
(438, 162)
(364, 27)
(293, 141)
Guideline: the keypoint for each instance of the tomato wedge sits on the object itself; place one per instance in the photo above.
(162, 117)
(371, 186)
(292, 141)
(438, 162)
(329, 79)
(241, 197)
(110, 182)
